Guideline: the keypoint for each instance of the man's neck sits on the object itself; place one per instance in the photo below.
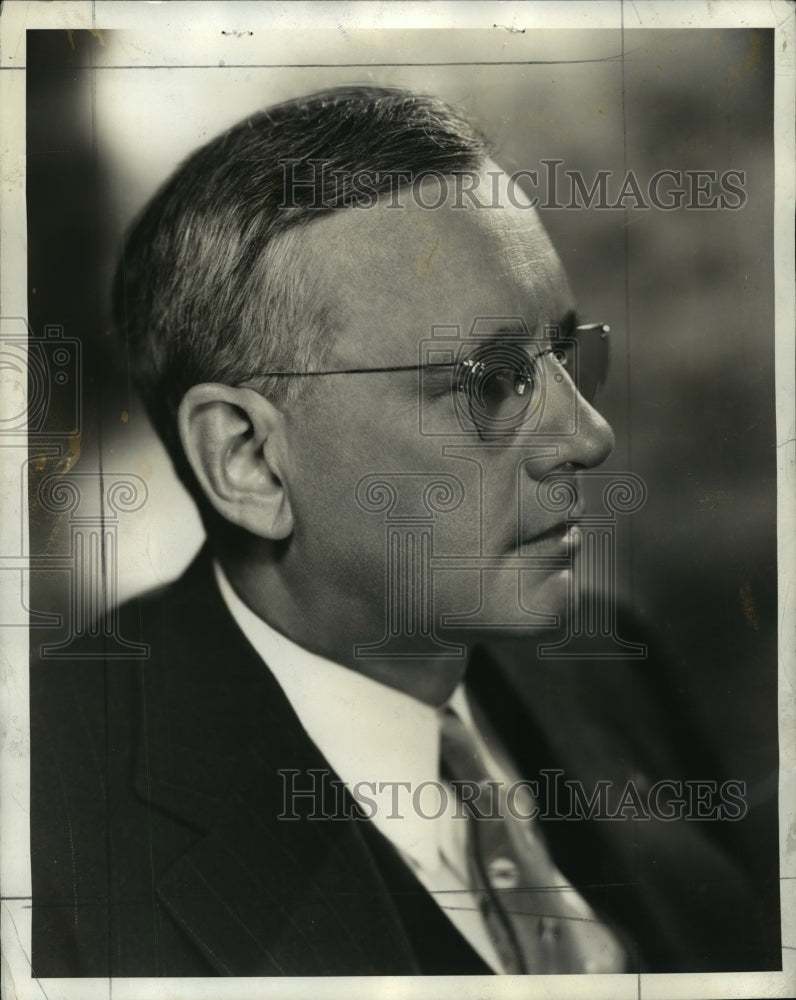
(316, 624)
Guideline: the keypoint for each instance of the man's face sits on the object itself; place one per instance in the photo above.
(395, 274)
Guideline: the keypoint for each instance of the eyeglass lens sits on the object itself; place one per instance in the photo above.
(504, 385)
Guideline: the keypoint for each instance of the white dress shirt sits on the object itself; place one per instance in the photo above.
(370, 733)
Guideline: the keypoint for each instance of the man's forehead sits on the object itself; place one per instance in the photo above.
(397, 271)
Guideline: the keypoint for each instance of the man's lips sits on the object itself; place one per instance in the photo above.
(559, 539)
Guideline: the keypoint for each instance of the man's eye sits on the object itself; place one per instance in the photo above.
(498, 385)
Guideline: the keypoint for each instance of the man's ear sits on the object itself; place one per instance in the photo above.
(233, 439)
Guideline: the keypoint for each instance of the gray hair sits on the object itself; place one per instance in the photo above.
(212, 285)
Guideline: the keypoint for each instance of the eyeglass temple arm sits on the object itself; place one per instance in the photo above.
(604, 329)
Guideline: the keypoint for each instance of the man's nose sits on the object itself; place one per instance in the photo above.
(593, 440)
(584, 438)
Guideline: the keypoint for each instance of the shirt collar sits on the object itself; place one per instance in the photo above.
(373, 736)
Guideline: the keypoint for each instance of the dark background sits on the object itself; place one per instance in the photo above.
(689, 295)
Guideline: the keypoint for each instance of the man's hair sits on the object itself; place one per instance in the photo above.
(212, 285)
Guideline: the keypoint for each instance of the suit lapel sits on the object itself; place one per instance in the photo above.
(262, 896)
(259, 894)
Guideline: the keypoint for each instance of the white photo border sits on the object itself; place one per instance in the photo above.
(171, 20)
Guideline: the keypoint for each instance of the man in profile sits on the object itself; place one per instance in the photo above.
(324, 329)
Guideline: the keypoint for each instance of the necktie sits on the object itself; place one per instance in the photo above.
(537, 921)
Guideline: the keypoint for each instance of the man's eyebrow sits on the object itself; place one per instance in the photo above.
(566, 326)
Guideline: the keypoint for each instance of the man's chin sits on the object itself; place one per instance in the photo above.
(526, 605)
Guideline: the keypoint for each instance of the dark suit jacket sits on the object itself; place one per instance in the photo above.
(158, 849)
